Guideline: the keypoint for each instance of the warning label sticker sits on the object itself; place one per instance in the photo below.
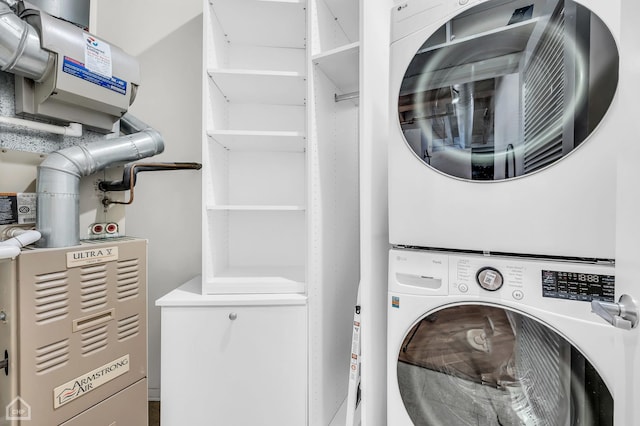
(17, 208)
(97, 55)
(77, 69)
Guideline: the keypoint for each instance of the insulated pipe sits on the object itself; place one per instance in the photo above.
(8, 252)
(22, 239)
(58, 181)
(20, 51)
(73, 129)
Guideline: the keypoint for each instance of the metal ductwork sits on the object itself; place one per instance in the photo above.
(58, 180)
(64, 73)
(20, 50)
(69, 89)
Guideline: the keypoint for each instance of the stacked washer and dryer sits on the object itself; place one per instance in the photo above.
(507, 120)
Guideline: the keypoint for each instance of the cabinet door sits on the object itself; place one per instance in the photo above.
(234, 366)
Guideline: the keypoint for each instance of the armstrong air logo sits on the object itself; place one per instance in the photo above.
(86, 383)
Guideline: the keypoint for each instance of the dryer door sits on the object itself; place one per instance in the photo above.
(507, 88)
(484, 365)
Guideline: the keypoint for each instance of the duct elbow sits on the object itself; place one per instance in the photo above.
(20, 50)
(59, 176)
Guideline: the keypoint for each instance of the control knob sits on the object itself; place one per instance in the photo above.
(489, 278)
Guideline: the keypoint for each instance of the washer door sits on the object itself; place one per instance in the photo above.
(507, 88)
(484, 366)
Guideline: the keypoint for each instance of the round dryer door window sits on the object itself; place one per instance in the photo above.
(482, 365)
(507, 88)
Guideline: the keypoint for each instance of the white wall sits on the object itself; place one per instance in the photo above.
(374, 230)
(136, 25)
(167, 40)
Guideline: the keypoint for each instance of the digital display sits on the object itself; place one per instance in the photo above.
(578, 286)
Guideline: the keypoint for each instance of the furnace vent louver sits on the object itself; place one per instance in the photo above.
(128, 327)
(51, 297)
(94, 340)
(128, 279)
(93, 287)
(52, 356)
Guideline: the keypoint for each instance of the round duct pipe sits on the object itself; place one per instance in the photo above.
(58, 181)
(75, 11)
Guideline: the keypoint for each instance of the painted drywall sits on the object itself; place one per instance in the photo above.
(138, 25)
(166, 208)
(374, 230)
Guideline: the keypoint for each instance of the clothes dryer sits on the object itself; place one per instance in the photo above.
(505, 123)
(487, 341)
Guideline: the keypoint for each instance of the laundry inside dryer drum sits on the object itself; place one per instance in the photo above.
(482, 365)
(485, 100)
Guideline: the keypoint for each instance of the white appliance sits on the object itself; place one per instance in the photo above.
(488, 340)
(487, 100)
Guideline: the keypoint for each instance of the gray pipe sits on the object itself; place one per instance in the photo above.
(58, 181)
(20, 51)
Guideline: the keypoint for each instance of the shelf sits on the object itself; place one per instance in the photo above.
(341, 66)
(247, 140)
(190, 294)
(263, 87)
(262, 22)
(274, 208)
(260, 280)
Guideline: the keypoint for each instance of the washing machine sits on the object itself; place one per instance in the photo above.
(496, 340)
(506, 119)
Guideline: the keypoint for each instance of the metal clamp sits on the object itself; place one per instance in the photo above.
(623, 314)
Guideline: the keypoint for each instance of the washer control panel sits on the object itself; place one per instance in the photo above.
(514, 279)
(578, 286)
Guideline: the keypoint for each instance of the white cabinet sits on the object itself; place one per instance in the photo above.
(233, 360)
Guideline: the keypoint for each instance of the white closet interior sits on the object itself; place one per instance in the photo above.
(280, 181)
(254, 149)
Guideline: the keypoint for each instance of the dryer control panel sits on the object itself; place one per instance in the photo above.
(435, 273)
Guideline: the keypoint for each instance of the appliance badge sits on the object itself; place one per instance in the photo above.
(91, 256)
(81, 385)
(395, 302)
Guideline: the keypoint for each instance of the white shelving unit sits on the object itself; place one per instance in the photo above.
(254, 150)
(280, 209)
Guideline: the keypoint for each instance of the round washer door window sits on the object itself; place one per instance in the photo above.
(482, 365)
(507, 88)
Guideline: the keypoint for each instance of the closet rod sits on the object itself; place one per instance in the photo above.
(346, 96)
